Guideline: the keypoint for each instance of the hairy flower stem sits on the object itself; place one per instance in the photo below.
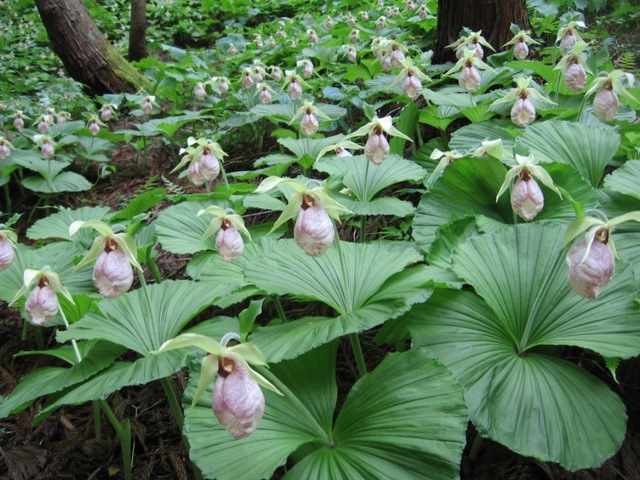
(123, 430)
(357, 352)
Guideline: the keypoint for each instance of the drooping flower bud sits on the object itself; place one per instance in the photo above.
(423, 13)
(146, 107)
(229, 242)
(106, 113)
(238, 401)
(112, 272)
(247, 80)
(588, 274)
(377, 148)
(42, 304)
(94, 128)
(307, 70)
(223, 85)
(527, 199)
(265, 96)
(352, 55)
(4, 150)
(364, 15)
(386, 63)
(199, 92)
(351, 21)
(205, 169)
(343, 152)
(309, 124)
(7, 253)
(312, 36)
(523, 112)
(470, 78)
(295, 89)
(43, 126)
(575, 77)
(329, 23)
(18, 122)
(47, 149)
(397, 57)
(568, 41)
(521, 50)
(354, 36)
(411, 7)
(606, 104)
(276, 73)
(313, 231)
(412, 86)
(381, 22)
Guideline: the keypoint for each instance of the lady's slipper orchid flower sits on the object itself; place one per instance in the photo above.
(306, 66)
(42, 303)
(94, 125)
(5, 148)
(265, 93)
(271, 42)
(222, 83)
(276, 73)
(472, 41)
(469, 78)
(46, 144)
(340, 149)
(354, 36)
(607, 88)
(381, 22)
(238, 402)
(18, 119)
(294, 84)
(147, 104)
(364, 16)
(313, 207)
(377, 146)
(309, 121)
(527, 199)
(43, 122)
(574, 68)
(199, 91)
(423, 12)
(411, 78)
(521, 42)
(247, 78)
(329, 23)
(312, 36)
(591, 259)
(351, 21)
(523, 111)
(397, 54)
(228, 225)
(8, 241)
(107, 110)
(568, 35)
(203, 157)
(445, 158)
(259, 42)
(114, 255)
(352, 54)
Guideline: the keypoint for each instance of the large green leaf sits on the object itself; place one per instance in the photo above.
(366, 180)
(371, 289)
(180, 229)
(499, 345)
(57, 225)
(378, 206)
(371, 438)
(143, 321)
(309, 146)
(625, 179)
(470, 137)
(469, 186)
(47, 380)
(587, 149)
(63, 182)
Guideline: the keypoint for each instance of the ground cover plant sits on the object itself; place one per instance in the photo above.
(310, 252)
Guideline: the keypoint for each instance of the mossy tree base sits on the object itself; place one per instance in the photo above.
(85, 52)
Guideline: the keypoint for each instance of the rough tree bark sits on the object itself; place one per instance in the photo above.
(138, 30)
(493, 17)
(84, 51)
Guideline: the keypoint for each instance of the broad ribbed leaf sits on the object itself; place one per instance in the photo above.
(63, 182)
(57, 224)
(378, 206)
(366, 180)
(309, 146)
(625, 179)
(46, 380)
(302, 416)
(587, 149)
(180, 229)
(518, 395)
(470, 137)
(345, 277)
(144, 324)
(140, 204)
(399, 292)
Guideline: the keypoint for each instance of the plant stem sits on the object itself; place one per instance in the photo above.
(39, 340)
(7, 197)
(357, 352)
(363, 229)
(276, 302)
(97, 422)
(123, 435)
(73, 342)
(475, 447)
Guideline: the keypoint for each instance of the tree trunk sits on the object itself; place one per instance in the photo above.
(138, 30)
(85, 53)
(493, 17)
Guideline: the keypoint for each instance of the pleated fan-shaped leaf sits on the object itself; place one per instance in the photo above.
(57, 225)
(500, 342)
(371, 437)
(587, 149)
(625, 179)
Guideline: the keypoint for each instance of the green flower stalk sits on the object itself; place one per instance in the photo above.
(527, 200)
